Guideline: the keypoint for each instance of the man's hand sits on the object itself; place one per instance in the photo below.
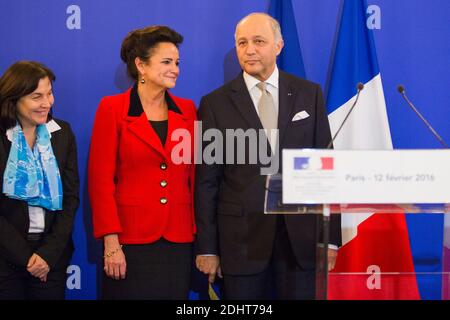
(209, 265)
(332, 255)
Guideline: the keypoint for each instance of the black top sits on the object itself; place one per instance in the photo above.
(160, 128)
(136, 110)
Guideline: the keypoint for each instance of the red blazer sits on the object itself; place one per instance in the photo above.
(134, 187)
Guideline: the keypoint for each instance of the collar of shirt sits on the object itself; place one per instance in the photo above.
(272, 81)
(135, 109)
(52, 126)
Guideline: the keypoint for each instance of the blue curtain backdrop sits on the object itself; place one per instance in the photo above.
(412, 46)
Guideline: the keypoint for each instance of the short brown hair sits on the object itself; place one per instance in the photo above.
(139, 42)
(19, 80)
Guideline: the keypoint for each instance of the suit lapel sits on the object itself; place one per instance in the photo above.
(142, 129)
(176, 121)
(286, 99)
(244, 104)
(56, 145)
(4, 152)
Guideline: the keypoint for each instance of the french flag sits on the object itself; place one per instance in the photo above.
(375, 260)
(313, 163)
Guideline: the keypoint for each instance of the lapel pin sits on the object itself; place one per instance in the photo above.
(289, 94)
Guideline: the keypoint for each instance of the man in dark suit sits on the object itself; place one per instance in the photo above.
(259, 254)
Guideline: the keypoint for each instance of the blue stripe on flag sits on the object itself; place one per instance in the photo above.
(301, 163)
(354, 40)
(290, 58)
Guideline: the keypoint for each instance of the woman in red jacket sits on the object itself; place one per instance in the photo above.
(141, 195)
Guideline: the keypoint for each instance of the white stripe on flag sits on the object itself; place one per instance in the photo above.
(368, 126)
(349, 225)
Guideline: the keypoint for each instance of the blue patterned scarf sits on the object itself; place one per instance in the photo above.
(32, 175)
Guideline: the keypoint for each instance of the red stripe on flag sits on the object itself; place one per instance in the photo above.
(377, 263)
(327, 163)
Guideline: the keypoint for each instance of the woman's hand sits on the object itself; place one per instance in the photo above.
(114, 258)
(38, 267)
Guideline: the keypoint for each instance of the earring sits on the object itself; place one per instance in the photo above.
(142, 80)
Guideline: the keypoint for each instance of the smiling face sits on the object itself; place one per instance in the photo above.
(161, 70)
(33, 109)
(256, 46)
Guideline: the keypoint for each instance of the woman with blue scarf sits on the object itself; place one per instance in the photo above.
(38, 166)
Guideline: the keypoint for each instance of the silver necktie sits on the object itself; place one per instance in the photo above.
(267, 113)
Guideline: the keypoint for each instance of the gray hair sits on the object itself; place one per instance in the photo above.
(273, 23)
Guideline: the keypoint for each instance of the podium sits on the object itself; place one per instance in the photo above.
(358, 184)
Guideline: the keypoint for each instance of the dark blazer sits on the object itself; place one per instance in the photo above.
(14, 217)
(229, 199)
(135, 187)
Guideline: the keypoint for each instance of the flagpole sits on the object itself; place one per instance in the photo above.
(322, 268)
